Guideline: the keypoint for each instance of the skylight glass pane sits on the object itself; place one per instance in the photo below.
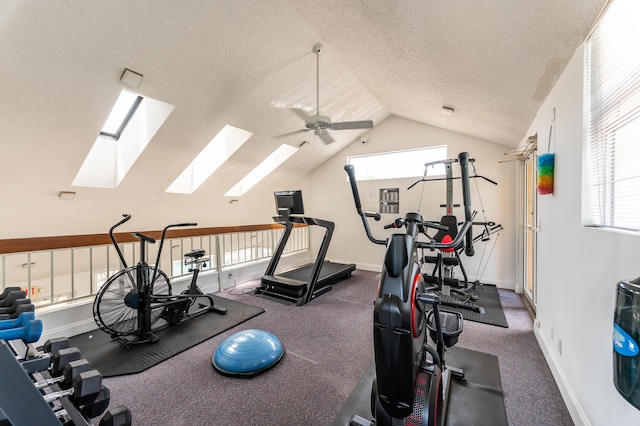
(263, 169)
(399, 164)
(217, 151)
(121, 108)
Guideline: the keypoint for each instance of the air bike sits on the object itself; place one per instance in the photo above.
(137, 301)
(412, 380)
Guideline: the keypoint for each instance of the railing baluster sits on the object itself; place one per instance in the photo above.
(73, 292)
(29, 275)
(52, 273)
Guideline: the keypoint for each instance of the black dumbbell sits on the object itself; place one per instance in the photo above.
(63, 357)
(35, 359)
(118, 416)
(8, 290)
(14, 299)
(96, 406)
(69, 373)
(61, 354)
(17, 307)
(86, 387)
(55, 344)
(11, 296)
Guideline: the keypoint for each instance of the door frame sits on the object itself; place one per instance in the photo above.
(529, 230)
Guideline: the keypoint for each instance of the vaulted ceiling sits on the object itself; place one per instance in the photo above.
(248, 63)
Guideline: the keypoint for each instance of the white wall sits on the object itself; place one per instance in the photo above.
(328, 196)
(578, 269)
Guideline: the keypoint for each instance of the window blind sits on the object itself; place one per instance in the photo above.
(611, 195)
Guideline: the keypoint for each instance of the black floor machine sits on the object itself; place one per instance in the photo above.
(454, 292)
(412, 381)
(300, 285)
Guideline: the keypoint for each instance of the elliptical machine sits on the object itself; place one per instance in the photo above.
(412, 380)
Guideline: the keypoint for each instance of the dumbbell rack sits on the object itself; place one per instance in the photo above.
(23, 404)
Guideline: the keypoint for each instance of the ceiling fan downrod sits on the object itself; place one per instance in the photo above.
(317, 49)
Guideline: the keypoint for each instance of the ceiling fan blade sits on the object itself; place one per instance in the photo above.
(293, 133)
(326, 137)
(300, 113)
(346, 125)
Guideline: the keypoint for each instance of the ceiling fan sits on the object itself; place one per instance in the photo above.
(320, 124)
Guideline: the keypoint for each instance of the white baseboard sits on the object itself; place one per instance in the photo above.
(369, 267)
(76, 328)
(573, 405)
(66, 320)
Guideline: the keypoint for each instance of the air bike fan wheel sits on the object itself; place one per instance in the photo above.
(115, 308)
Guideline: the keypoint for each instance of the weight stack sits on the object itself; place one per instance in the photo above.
(626, 336)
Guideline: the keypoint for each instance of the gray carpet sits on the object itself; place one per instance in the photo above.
(112, 359)
(328, 345)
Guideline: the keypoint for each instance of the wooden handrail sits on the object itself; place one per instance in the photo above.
(20, 245)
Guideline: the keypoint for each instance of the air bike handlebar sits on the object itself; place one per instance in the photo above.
(143, 238)
(113, 239)
(465, 231)
(164, 233)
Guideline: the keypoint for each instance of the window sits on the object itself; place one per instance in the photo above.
(212, 156)
(399, 164)
(611, 154)
(126, 133)
(269, 164)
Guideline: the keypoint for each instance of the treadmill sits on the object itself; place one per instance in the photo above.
(303, 284)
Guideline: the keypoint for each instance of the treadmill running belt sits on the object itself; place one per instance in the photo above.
(303, 273)
(293, 285)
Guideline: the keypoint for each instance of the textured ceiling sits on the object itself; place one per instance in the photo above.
(247, 63)
(494, 61)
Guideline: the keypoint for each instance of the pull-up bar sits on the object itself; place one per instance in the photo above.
(450, 178)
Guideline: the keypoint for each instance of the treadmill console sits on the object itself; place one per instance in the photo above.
(288, 203)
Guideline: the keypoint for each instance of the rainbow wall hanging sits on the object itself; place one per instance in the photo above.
(546, 163)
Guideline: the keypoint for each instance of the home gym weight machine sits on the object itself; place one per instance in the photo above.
(137, 301)
(454, 292)
(412, 381)
(303, 284)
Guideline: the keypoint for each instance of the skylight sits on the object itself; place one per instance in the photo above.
(113, 154)
(263, 169)
(124, 108)
(212, 156)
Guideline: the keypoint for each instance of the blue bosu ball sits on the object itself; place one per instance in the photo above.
(247, 353)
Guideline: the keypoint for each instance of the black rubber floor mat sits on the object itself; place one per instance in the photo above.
(478, 399)
(489, 301)
(112, 359)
